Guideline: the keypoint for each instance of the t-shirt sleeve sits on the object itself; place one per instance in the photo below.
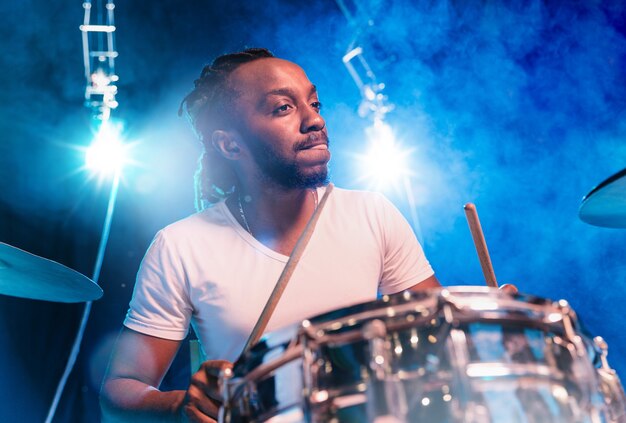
(404, 261)
(159, 306)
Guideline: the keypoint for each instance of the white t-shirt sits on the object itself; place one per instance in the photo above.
(209, 271)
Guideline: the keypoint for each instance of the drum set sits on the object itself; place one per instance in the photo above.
(458, 354)
(461, 354)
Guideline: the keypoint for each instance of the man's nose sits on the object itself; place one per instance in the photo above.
(312, 120)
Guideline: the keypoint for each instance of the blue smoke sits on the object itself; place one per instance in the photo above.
(517, 106)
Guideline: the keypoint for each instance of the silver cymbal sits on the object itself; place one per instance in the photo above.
(26, 275)
(605, 205)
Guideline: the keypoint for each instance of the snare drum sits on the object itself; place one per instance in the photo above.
(462, 354)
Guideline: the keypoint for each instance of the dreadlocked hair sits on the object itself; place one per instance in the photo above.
(208, 109)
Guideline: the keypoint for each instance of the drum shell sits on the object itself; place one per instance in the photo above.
(267, 381)
(444, 359)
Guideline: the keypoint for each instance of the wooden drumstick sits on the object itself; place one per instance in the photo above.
(481, 245)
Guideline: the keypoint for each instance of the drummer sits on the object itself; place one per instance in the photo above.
(262, 174)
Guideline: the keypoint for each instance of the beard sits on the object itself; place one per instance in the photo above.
(284, 172)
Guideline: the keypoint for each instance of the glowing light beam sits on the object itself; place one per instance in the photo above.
(107, 154)
(385, 163)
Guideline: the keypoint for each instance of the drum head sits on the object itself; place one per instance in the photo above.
(473, 299)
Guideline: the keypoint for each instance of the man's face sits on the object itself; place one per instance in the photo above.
(278, 116)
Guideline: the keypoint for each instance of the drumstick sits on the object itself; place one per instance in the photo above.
(481, 245)
(288, 270)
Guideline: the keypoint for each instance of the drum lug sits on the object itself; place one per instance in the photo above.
(603, 348)
(376, 333)
(569, 324)
(383, 383)
(611, 387)
(225, 413)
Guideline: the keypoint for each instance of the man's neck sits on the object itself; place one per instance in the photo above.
(274, 216)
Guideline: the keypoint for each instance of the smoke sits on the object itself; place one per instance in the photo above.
(518, 107)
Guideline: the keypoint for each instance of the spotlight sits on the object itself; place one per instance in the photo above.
(385, 163)
(107, 154)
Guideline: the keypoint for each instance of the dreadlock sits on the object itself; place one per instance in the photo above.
(208, 109)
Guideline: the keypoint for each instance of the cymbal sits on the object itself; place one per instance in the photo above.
(26, 275)
(605, 205)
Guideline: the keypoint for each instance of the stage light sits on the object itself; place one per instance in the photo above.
(107, 153)
(384, 164)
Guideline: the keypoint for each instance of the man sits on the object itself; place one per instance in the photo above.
(263, 173)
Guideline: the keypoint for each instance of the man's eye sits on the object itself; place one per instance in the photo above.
(282, 108)
(316, 105)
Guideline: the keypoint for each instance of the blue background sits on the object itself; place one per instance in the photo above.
(516, 106)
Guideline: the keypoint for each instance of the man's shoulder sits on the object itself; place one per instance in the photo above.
(208, 219)
(359, 197)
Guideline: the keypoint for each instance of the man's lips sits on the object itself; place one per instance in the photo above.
(314, 143)
(317, 147)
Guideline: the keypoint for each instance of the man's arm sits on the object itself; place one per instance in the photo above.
(137, 367)
(428, 283)
(129, 390)
(432, 283)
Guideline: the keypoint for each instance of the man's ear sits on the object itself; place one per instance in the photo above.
(227, 144)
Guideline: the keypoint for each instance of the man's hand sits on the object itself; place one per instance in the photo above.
(203, 398)
(509, 288)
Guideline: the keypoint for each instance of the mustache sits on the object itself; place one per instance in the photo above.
(311, 141)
